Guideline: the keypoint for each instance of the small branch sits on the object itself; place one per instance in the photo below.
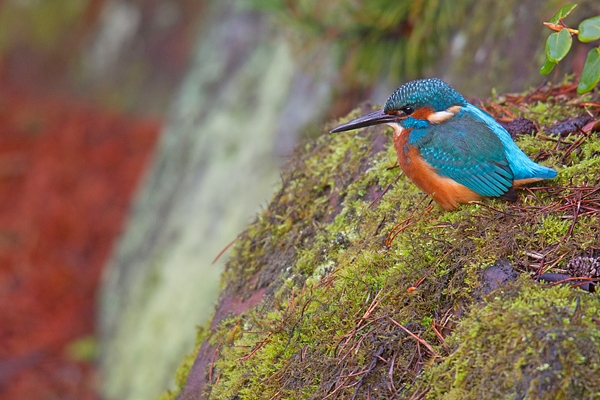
(559, 27)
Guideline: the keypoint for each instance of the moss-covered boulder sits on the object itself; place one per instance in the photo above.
(351, 284)
(525, 341)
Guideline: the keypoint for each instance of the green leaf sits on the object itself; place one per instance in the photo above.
(547, 67)
(589, 29)
(590, 76)
(562, 13)
(558, 45)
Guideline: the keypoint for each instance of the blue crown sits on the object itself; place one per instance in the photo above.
(432, 92)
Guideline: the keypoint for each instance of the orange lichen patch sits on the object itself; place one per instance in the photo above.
(67, 172)
(446, 192)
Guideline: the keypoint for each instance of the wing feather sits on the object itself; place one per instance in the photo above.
(469, 152)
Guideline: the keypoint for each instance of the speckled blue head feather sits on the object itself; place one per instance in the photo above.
(425, 92)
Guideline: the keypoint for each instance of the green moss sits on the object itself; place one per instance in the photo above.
(553, 228)
(342, 262)
(543, 343)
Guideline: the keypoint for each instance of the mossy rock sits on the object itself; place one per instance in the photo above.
(525, 341)
(350, 284)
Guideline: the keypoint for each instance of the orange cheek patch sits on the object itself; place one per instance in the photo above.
(422, 113)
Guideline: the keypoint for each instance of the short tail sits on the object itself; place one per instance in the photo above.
(542, 172)
(534, 174)
(531, 172)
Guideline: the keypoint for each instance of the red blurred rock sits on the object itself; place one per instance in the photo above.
(67, 174)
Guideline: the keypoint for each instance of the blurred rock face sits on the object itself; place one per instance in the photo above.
(237, 112)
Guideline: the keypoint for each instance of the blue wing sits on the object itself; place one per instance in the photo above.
(467, 151)
(521, 165)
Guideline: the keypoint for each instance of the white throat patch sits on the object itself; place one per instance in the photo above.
(397, 128)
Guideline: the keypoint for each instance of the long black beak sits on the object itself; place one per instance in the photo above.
(374, 118)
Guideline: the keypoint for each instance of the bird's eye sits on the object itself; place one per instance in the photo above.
(407, 110)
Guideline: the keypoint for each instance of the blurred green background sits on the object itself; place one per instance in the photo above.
(131, 54)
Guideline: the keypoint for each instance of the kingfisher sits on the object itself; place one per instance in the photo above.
(450, 149)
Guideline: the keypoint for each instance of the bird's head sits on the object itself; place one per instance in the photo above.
(415, 104)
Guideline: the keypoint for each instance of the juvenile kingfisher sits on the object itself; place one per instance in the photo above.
(449, 148)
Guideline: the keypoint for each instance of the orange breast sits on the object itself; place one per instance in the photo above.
(521, 182)
(445, 191)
